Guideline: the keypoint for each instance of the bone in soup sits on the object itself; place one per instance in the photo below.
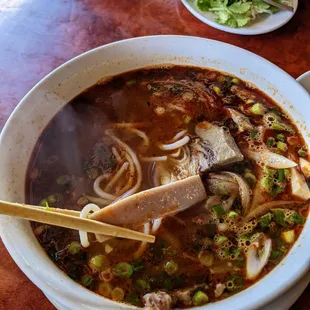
(152, 127)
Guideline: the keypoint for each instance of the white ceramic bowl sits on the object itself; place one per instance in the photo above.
(53, 92)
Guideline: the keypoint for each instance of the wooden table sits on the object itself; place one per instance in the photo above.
(36, 36)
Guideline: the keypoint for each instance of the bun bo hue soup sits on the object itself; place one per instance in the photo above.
(152, 127)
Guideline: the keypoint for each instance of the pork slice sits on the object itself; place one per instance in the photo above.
(154, 203)
(157, 301)
(216, 147)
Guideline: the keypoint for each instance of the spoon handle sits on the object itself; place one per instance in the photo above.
(280, 6)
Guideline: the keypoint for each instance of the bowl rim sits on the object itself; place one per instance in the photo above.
(35, 278)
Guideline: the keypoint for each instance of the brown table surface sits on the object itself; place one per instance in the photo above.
(36, 36)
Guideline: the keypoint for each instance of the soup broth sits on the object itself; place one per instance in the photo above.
(155, 126)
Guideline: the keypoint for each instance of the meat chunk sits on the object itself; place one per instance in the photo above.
(157, 301)
(153, 203)
(244, 94)
(215, 148)
(219, 289)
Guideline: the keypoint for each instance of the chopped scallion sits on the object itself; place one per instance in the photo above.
(117, 294)
(200, 298)
(171, 267)
(270, 142)
(282, 146)
(281, 175)
(74, 248)
(218, 210)
(234, 283)
(258, 109)
(87, 281)
(123, 270)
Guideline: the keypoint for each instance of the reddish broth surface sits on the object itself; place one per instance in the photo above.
(75, 149)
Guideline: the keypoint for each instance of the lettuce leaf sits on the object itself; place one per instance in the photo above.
(235, 13)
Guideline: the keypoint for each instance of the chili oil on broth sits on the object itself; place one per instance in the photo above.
(202, 254)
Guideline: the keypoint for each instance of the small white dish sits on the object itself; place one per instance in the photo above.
(263, 24)
(304, 80)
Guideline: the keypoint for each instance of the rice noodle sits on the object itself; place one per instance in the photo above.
(177, 153)
(176, 107)
(116, 154)
(91, 207)
(156, 225)
(128, 125)
(142, 135)
(135, 160)
(117, 175)
(179, 135)
(98, 201)
(100, 192)
(143, 245)
(154, 158)
(175, 145)
(128, 185)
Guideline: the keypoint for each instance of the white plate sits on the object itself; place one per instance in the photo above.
(304, 80)
(263, 24)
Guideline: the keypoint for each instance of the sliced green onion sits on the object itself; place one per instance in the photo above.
(282, 146)
(123, 270)
(117, 294)
(105, 289)
(281, 175)
(221, 239)
(278, 126)
(265, 220)
(258, 109)
(52, 199)
(43, 202)
(228, 81)
(221, 79)
(206, 258)
(87, 281)
(217, 90)
(234, 283)
(218, 210)
(200, 298)
(279, 216)
(171, 267)
(142, 285)
(269, 172)
(232, 213)
(267, 184)
(236, 252)
(274, 255)
(253, 134)
(99, 262)
(131, 83)
(296, 219)
(302, 152)
(187, 119)
(235, 81)
(74, 248)
(270, 142)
